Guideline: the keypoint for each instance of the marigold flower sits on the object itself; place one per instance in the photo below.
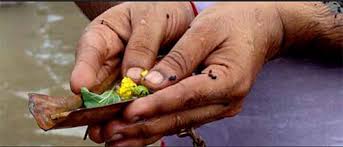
(125, 91)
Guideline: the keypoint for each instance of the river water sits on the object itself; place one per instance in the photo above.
(37, 44)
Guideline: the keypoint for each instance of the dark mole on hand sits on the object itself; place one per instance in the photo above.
(172, 78)
(167, 16)
(102, 21)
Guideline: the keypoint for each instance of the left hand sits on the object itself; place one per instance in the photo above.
(233, 41)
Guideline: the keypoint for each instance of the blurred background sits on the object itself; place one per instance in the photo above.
(37, 43)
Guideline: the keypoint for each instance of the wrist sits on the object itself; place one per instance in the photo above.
(310, 23)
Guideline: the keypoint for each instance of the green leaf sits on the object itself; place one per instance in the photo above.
(140, 91)
(91, 99)
(109, 97)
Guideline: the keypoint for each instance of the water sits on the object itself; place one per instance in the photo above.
(37, 44)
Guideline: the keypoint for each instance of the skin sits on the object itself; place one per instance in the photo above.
(231, 41)
(93, 9)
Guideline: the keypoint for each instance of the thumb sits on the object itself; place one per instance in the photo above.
(98, 48)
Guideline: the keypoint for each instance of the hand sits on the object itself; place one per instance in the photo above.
(231, 47)
(139, 29)
(233, 41)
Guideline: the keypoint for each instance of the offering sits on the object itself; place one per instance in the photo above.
(126, 91)
(101, 103)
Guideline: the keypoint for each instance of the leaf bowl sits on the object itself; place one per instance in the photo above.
(54, 112)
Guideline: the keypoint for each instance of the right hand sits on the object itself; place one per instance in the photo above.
(139, 29)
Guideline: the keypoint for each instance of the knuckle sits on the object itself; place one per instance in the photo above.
(193, 98)
(93, 42)
(241, 89)
(215, 22)
(233, 112)
(120, 24)
(237, 84)
(141, 49)
(177, 123)
(143, 131)
(234, 108)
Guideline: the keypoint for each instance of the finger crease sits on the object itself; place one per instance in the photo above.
(175, 61)
(142, 50)
(182, 57)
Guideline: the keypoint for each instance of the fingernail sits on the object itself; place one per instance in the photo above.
(116, 137)
(134, 73)
(154, 77)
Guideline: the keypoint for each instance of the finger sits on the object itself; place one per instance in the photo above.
(100, 42)
(94, 49)
(102, 133)
(110, 137)
(93, 9)
(109, 67)
(211, 87)
(147, 34)
(173, 123)
(136, 142)
(95, 134)
(111, 127)
(188, 52)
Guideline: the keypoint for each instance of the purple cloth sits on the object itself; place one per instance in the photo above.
(293, 102)
(203, 5)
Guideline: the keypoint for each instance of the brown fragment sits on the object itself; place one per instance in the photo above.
(172, 78)
(59, 115)
(211, 75)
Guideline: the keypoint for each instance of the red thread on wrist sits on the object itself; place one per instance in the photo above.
(195, 11)
(163, 144)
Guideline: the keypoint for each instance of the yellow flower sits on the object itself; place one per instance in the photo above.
(144, 73)
(126, 88)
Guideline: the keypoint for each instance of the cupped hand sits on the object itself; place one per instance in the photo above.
(138, 29)
(232, 41)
